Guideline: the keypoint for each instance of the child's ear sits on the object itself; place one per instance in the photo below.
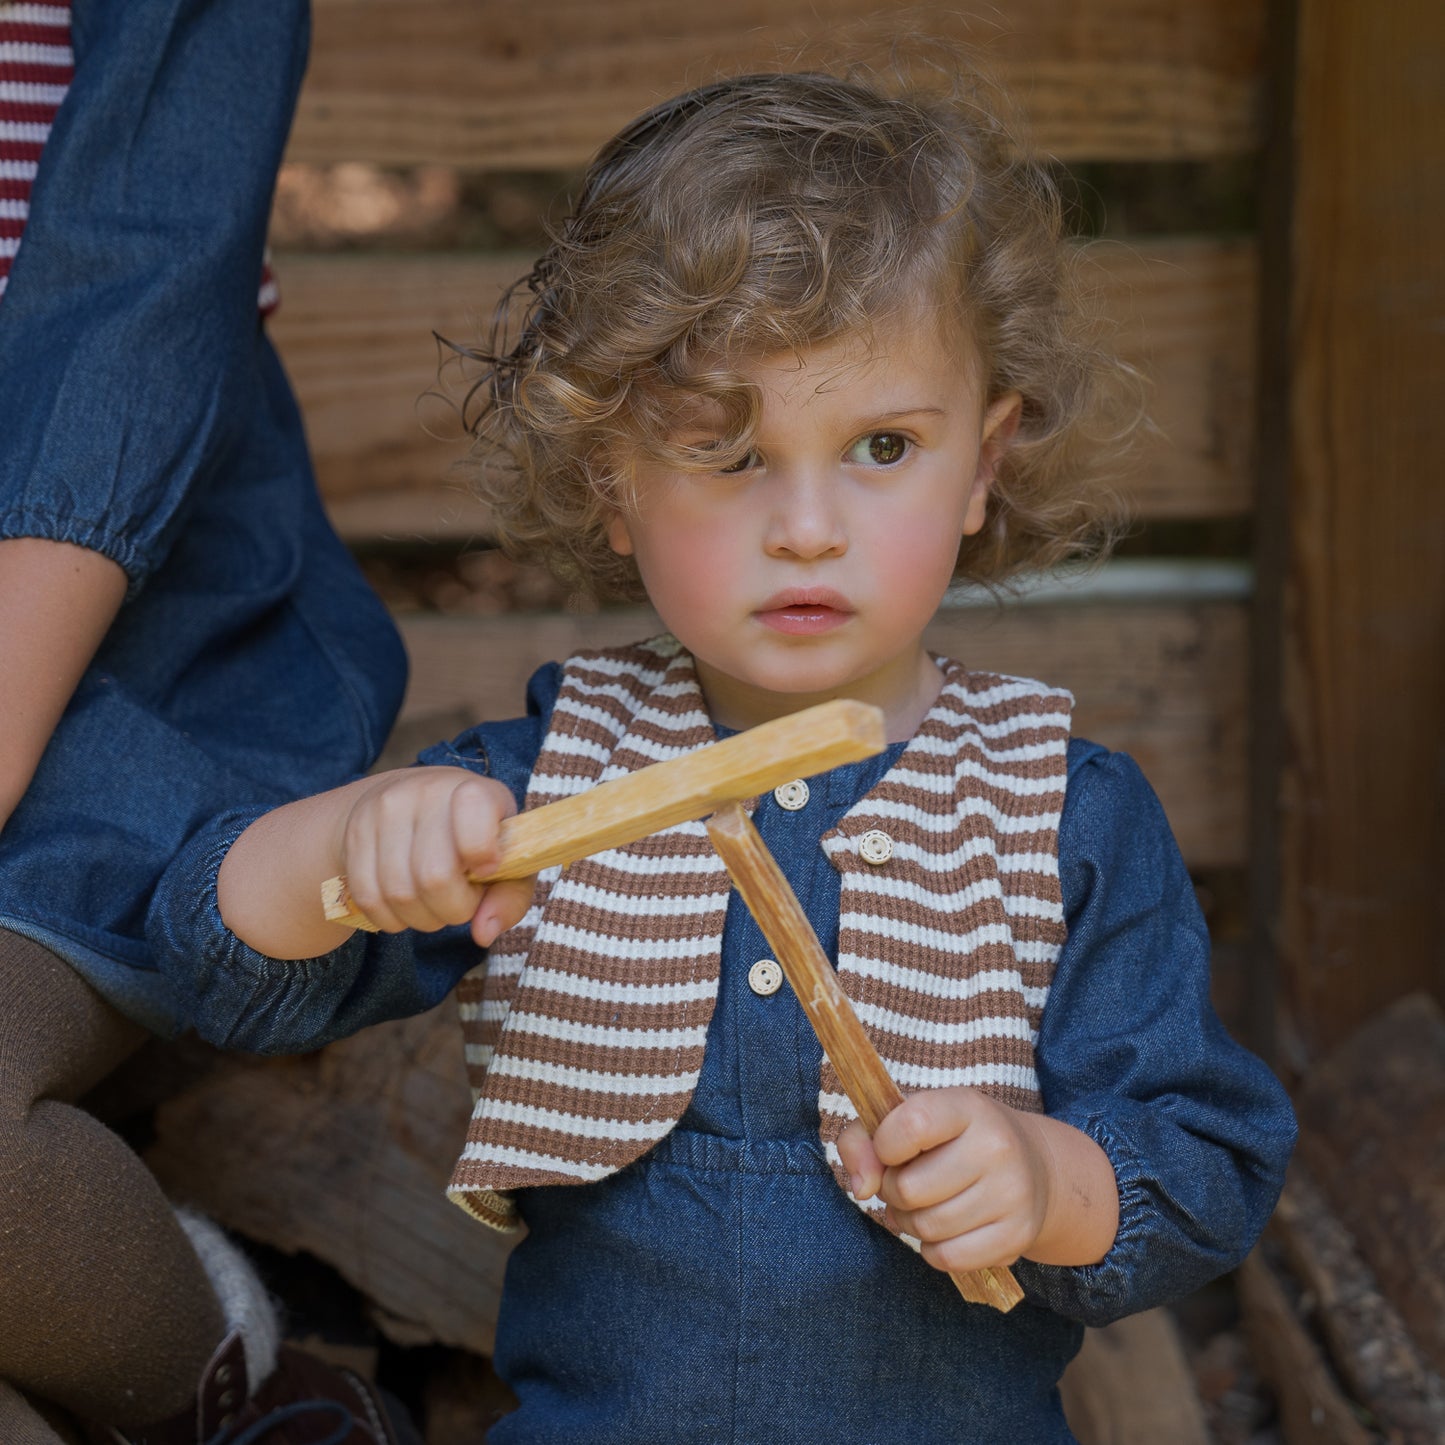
(618, 537)
(1000, 424)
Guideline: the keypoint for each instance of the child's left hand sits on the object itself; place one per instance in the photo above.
(981, 1184)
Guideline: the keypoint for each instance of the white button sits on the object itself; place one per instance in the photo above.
(792, 796)
(875, 847)
(765, 977)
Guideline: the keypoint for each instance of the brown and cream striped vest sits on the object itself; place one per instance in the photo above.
(584, 1032)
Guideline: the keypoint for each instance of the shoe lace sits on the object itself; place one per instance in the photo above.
(256, 1432)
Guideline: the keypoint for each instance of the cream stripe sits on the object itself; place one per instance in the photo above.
(596, 1036)
(887, 809)
(594, 1081)
(1013, 689)
(946, 784)
(571, 985)
(30, 92)
(18, 170)
(964, 1031)
(947, 747)
(882, 884)
(575, 1126)
(480, 1152)
(915, 932)
(933, 985)
(26, 132)
(22, 14)
(608, 946)
(610, 901)
(14, 210)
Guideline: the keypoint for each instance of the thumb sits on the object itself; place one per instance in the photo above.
(502, 905)
(860, 1159)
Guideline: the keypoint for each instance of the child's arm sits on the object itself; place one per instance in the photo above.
(406, 841)
(982, 1184)
(56, 603)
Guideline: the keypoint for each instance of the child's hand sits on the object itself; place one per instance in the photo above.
(409, 842)
(981, 1184)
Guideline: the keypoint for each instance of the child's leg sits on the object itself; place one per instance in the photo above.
(26, 1422)
(104, 1305)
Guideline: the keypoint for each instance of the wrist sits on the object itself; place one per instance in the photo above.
(1080, 1214)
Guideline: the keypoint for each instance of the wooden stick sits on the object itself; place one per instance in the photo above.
(864, 1077)
(657, 797)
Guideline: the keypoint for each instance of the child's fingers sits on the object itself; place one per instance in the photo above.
(477, 809)
(503, 904)
(860, 1159)
(925, 1120)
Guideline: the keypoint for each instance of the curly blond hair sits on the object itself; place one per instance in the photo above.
(772, 212)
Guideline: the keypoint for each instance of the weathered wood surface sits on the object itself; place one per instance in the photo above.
(1131, 1385)
(1313, 1409)
(1372, 1131)
(1362, 846)
(1361, 1332)
(346, 1154)
(1164, 682)
(356, 335)
(491, 84)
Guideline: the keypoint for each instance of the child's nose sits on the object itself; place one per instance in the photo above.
(805, 520)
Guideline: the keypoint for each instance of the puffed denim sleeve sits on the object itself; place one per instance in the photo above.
(237, 998)
(1131, 1052)
(128, 328)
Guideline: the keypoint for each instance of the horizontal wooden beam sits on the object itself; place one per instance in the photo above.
(491, 85)
(356, 333)
(1164, 683)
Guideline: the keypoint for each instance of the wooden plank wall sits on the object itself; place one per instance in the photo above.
(483, 85)
(1360, 621)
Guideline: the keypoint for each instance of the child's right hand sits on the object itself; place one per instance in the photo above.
(409, 842)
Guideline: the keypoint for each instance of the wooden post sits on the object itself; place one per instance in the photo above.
(1361, 788)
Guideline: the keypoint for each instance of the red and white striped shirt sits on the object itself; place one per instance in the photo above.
(37, 65)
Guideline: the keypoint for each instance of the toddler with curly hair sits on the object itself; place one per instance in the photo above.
(808, 349)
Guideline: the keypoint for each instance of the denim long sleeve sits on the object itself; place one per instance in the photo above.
(237, 998)
(1131, 1052)
(147, 418)
(129, 327)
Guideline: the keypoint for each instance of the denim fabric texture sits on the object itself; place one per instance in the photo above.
(722, 1288)
(147, 418)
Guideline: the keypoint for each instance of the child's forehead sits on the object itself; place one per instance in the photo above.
(904, 341)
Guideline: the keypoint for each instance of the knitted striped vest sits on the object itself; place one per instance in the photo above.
(584, 1032)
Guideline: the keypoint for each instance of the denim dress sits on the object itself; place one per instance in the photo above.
(722, 1288)
(146, 418)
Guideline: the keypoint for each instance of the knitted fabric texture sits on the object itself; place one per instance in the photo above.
(584, 1031)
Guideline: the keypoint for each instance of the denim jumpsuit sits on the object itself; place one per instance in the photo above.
(146, 417)
(722, 1288)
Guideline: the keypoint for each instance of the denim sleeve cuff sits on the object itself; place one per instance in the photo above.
(234, 996)
(1097, 1294)
(94, 536)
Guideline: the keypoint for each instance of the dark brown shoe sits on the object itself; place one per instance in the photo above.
(304, 1401)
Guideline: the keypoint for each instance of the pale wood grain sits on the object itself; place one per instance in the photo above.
(355, 333)
(490, 84)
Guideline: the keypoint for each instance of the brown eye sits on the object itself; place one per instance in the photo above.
(879, 448)
(749, 459)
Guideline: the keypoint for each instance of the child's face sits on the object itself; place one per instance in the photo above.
(810, 571)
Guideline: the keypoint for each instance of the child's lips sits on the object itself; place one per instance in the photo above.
(805, 613)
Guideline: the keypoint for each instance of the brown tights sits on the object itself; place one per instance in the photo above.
(104, 1307)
